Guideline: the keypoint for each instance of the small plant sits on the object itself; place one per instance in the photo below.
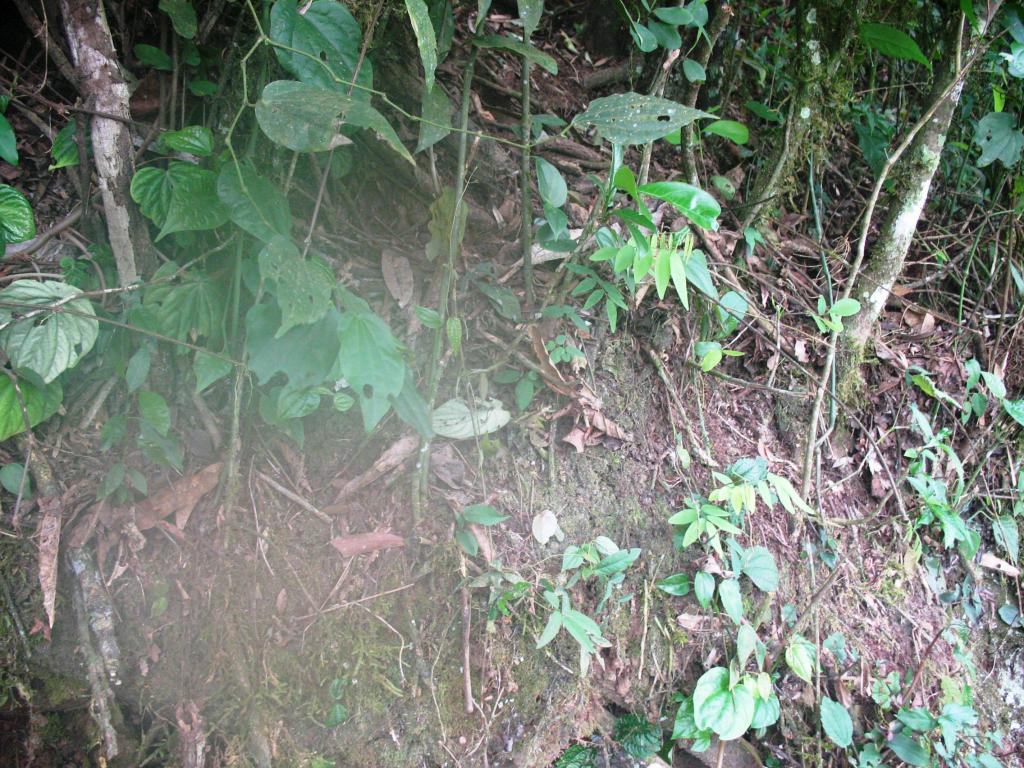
(475, 514)
(830, 318)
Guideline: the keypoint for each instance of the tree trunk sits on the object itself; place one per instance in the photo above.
(907, 199)
(102, 82)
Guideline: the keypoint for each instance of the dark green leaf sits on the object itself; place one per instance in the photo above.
(194, 139)
(306, 353)
(525, 50)
(40, 404)
(694, 203)
(183, 17)
(326, 40)
(892, 42)
(694, 71)
(8, 142)
(17, 222)
(253, 202)
(732, 600)
(908, 750)
(194, 204)
(64, 151)
(639, 737)
(999, 139)
(153, 57)
(154, 411)
(209, 369)
(138, 368)
(758, 565)
(419, 17)
(836, 722)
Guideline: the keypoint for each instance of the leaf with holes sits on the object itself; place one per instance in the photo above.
(52, 341)
(17, 222)
(253, 202)
(302, 288)
(999, 139)
(371, 361)
(40, 404)
(307, 354)
(632, 118)
(325, 40)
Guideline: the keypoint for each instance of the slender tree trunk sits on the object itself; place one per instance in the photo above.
(102, 82)
(907, 199)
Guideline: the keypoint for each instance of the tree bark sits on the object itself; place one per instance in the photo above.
(102, 83)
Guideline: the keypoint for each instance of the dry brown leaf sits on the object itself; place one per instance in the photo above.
(393, 457)
(48, 534)
(361, 543)
(577, 438)
(179, 499)
(997, 564)
(398, 277)
(609, 427)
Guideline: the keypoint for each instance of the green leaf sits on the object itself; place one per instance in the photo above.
(917, 719)
(732, 600)
(40, 404)
(8, 142)
(836, 722)
(728, 712)
(577, 756)
(678, 584)
(208, 369)
(183, 17)
(632, 118)
(704, 588)
(663, 271)
(419, 17)
(153, 57)
(308, 118)
(194, 139)
(194, 204)
(758, 565)
(436, 117)
(999, 139)
(253, 202)
(766, 712)
(482, 514)
(202, 88)
(908, 750)
(138, 368)
(154, 411)
(554, 624)
(530, 12)
(697, 272)
(325, 40)
(306, 354)
(64, 150)
(371, 360)
(550, 183)
(764, 112)
(617, 562)
(302, 288)
(11, 479)
(679, 16)
(639, 737)
(17, 223)
(429, 317)
(892, 42)
(746, 643)
(527, 51)
(694, 203)
(801, 656)
(729, 129)
(694, 71)
(151, 189)
(845, 308)
(52, 341)
(1006, 535)
(1016, 409)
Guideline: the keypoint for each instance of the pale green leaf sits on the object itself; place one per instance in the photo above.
(527, 51)
(836, 722)
(892, 42)
(40, 404)
(419, 17)
(632, 118)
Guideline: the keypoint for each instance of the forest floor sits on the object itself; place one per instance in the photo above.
(317, 623)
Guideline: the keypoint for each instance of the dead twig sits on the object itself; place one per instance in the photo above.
(291, 496)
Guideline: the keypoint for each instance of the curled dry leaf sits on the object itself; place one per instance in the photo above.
(179, 499)
(361, 543)
(398, 277)
(48, 535)
(393, 457)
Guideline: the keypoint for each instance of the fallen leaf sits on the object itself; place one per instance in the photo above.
(48, 534)
(691, 622)
(545, 526)
(393, 457)
(179, 499)
(997, 564)
(457, 421)
(398, 277)
(361, 543)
